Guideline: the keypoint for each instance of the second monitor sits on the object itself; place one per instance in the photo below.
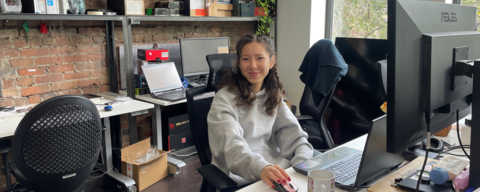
(195, 50)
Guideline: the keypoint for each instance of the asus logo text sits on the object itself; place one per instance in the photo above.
(449, 17)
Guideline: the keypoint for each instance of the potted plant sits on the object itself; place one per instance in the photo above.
(264, 9)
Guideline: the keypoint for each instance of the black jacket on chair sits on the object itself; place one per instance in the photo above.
(322, 68)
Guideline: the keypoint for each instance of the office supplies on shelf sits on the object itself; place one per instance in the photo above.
(127, 7)
(213, 8)
(164, 82)
(34, 6)
(10, 6)
(167, 12)
(53, 7)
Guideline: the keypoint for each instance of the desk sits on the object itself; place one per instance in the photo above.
(10, 124)
(157, 115)
(299, 179)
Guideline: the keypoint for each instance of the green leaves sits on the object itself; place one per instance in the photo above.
(264, 22)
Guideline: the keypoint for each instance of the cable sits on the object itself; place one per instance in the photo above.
(101, 174)
(459, 140)
(427, 118)
(184, 155)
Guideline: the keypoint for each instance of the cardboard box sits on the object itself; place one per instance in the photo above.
(144, 174)
(218, 10)
(127, 7)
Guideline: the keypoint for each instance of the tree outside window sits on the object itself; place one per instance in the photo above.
(360, 19)
(368, 18)
(475, 3)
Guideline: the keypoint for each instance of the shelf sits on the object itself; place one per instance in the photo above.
(27, 16)
(31, 16)
(188, 18)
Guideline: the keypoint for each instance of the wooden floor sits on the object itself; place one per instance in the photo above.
(189, 180)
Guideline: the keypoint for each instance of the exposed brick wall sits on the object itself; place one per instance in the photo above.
(75, 62)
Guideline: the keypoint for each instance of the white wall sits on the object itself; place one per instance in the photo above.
(299, 23)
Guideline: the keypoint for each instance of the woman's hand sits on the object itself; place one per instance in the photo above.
(274, 173)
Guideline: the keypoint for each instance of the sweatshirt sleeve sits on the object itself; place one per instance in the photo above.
(227, 142)
(291, 139)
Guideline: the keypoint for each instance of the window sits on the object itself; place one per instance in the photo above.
(475, 3)
(360, 19)
(368, 18)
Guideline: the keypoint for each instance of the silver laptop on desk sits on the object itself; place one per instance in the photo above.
(164, 82)
(352, 166)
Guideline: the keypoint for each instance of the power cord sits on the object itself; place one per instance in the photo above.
(459, 140)
(101, 174)
(427, 118)
(184, 155)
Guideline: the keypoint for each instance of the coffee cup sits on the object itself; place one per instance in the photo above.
(321, 181)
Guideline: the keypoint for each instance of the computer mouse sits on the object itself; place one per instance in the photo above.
(108, 108)
(289, 187)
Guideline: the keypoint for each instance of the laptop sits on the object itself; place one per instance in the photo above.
(354, 167)
(164, 82)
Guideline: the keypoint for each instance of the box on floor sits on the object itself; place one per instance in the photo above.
(147, 173)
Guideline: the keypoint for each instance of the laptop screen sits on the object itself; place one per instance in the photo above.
(162, 77)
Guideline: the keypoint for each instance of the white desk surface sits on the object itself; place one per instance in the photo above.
(358, 143)
(299, 179)
(148, 98)
(10, 122)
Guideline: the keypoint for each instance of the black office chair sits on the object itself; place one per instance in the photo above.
(56, 145)
(199, 101)
(218, 64)
(313, 121)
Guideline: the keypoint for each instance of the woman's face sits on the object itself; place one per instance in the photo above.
(255, 62)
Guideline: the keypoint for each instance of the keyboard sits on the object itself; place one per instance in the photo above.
(171, 96)
(344, 170)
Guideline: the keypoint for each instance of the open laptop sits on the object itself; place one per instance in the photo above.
(164, 82)
(352, 166)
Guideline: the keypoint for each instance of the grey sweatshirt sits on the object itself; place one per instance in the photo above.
(243, 140)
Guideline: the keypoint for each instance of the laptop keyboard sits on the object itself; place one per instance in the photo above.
(174, 95)
(344, 170)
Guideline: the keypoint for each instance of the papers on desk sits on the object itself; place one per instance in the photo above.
(5, 113)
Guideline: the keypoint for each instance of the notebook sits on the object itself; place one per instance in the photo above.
(164, 82)
(352, 166)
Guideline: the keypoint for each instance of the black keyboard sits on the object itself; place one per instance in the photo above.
(344, 170)
(172, 96)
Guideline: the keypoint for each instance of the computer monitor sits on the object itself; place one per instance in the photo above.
(424, 41)
(195, 50)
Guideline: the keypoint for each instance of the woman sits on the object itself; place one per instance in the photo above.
(252, 133)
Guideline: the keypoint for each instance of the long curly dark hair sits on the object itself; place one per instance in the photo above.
(239, 85)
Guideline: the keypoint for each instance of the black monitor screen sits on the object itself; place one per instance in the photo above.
(424, 40)
(195, 50)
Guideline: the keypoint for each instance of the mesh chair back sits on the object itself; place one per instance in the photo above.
(199, 101)
(57, 143)
(219, 64)
(307, 107)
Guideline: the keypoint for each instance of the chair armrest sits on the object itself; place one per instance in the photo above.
(216, 177)
(303, 117)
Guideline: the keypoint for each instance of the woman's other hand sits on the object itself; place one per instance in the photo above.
(274, 173)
